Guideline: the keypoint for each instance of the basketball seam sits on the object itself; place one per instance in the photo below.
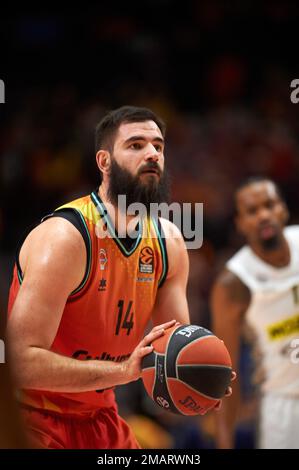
(204, 365)
(149, 367)
(155, 369)
(196, 391)
(186, 345)
(165, 368)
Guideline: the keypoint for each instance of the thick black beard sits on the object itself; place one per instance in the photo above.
(123, 182)
(271, 244)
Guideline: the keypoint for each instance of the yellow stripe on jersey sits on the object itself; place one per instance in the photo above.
(283, 328)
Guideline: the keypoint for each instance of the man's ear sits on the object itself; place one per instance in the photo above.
(103, 159)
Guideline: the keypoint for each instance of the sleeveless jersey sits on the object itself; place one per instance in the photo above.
(273, 313)
(106, 316)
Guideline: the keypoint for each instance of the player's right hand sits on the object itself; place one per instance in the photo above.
(228, 392)
(132, 366)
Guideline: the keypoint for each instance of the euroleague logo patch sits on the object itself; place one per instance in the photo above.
(146, 260)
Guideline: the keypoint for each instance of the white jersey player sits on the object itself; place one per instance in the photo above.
(259, 289)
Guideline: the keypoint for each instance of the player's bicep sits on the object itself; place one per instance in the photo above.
(221, 308)
(171, 302)
(54, 266)
(227, 316)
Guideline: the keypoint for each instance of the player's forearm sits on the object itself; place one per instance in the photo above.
(40, 369)
(226, 421)
(11, 433)
(224, 432)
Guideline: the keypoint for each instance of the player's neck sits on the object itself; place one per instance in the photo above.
(119, 217)
(278, 257)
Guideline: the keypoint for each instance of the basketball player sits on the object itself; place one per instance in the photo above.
(82, 294)
(259, 290)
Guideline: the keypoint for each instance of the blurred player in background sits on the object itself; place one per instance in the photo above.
(80, 300)
(259, 289)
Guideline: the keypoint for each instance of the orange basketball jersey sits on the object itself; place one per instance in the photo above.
(105, 317)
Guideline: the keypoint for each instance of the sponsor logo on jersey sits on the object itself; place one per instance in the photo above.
(103, 259)
(84, 355)
(146, 260)
(283, 328)
(145, 279)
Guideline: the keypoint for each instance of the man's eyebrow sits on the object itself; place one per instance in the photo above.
(141, 137)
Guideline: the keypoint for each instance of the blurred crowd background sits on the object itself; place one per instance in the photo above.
(219, 74)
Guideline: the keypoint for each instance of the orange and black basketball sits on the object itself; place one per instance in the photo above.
(188, 371)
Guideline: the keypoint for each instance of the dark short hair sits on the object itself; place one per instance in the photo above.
(256, 179)
(108, 126)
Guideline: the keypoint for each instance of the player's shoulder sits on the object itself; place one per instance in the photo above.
(56, 233)
(54, 250)
(173, 236)
(242, 265)
(78, 204)
(228, 279)
(240, 256)
(171, 231)
(291, 232)
(232, 288)
(176, 249)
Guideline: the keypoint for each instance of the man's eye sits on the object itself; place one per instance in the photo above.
(270, 204)
(158, 147)
(251, 210)
(135, 146)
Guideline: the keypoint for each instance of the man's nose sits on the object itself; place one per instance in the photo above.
(264, 214)
(152, 154)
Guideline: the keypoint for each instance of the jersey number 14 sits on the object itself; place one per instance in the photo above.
(124, 320)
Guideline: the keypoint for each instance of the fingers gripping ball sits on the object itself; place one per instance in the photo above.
(188, 371)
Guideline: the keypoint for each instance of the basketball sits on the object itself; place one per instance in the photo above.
(188, 371)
